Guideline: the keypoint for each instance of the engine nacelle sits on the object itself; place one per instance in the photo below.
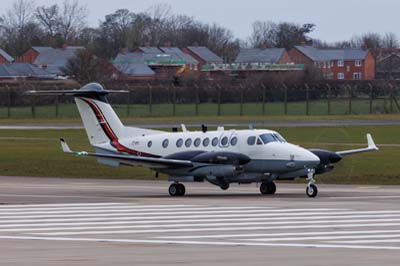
(215, 170)
(221, 158)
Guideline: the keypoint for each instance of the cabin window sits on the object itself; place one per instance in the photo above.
(206, 142)
(224, 141)
(149, 144)
(188, 142)
(251, 140)
(214, 142)
(197, 142)
(234, 141)
(179, 143)
(165, 143)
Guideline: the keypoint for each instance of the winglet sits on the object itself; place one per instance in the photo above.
(371, 143)
(65, 146)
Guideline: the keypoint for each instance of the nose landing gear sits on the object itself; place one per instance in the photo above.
(312, 189)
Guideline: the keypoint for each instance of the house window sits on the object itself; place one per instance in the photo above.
(340, 63)
(348, 68)
(340, 75)
(357, 76)
(357, 63)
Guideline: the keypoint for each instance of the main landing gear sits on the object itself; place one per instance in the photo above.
(268, 188)
(176, 189)
(312, 189)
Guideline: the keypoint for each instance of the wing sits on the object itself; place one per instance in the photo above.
(154, 163)
(371, 147)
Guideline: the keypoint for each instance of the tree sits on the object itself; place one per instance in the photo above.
(72, 19)
(390, 41)
(87, 67)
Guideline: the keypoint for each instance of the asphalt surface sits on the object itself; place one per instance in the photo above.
(230, 124)
(53, 221)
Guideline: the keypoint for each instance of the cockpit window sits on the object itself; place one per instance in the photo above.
(267, 138)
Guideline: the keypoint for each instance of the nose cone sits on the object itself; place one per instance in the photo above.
(312, 159)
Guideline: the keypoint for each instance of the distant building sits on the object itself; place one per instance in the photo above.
(266, 56)
(336, 64)
(5, 58)
(53, 60)
(162, 63)
(23, 71)
(388, 64)
(203, 55)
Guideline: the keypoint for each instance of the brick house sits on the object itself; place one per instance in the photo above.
(203, 55)
(266, 56)
(50, 59)
(337, 64)
(5, 58)
(388, 64)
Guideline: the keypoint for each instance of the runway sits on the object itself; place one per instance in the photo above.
(47, 221)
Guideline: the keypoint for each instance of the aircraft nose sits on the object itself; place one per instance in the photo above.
(312, 159)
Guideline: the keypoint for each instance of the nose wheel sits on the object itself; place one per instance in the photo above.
(176, 189)
(311, 190)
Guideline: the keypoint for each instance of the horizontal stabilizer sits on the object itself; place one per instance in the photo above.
(371, 147)
(87, 90)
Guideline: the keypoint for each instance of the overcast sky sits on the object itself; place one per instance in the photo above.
(336, 20)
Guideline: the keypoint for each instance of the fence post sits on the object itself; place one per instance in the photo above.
(391, 98)
(219, 100)
(285, 99)
(8, 102)
(173, 100)
(128, 104)
(307, 100)
(264, 96)
(56, 102)
(350, 99)
(241, 99)
(150, 99)
(33, 103)
(371, 95)
(328, 97)
(197, 99)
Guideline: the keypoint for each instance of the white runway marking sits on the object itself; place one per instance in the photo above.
(187, 224)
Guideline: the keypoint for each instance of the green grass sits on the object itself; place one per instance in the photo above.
(316, 108)
(37, 153)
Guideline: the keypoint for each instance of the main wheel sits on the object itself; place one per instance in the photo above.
(268, 188)
(224, 186)
(312, 191)
(181, 190)
(174, 190)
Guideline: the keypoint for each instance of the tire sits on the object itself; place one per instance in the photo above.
(268, 188)
(312, 191)
(181, 190)
(225, 186)
(173, 190)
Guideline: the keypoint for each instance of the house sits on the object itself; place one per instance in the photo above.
(203, 55)
(388, 64)
(15, 71)
(265, 56)
(132, 66)
(162, 63)
(53, 60)
(337, 64)
(5, 58)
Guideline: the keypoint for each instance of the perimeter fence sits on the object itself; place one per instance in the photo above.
(213, 99)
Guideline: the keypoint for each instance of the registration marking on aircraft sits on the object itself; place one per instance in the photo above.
(182, 224)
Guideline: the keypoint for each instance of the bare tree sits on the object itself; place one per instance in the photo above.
(390, 41)
(261, 34)
(72, 19)
(48, 17)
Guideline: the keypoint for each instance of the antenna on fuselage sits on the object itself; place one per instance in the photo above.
(251, 126)
(184, 129)
(204, 128)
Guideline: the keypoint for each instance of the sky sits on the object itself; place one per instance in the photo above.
(335, 20)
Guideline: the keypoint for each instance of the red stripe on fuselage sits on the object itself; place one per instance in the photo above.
(110, 133)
